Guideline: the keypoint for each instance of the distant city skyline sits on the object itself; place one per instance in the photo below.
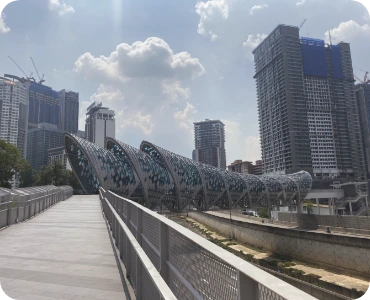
(211, 40)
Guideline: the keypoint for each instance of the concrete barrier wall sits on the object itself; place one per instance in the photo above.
(348, 252)
(21, 214)
(314, 221)
(3, 218)
(22, 204)
(12, 216)
(26, 212)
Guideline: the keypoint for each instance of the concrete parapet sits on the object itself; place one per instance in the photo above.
(333, 250)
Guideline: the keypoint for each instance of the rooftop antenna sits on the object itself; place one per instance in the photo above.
(330, 37)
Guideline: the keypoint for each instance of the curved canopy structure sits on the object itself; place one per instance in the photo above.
(155, 181)
(154, 176)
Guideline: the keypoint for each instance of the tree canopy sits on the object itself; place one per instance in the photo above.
(11, 163)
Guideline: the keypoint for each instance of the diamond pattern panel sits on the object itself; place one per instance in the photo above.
(219, 281)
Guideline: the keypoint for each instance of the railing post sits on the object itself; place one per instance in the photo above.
(139, 276)
(164, 251)
(139, 230)
(128, 213)
(247, 287)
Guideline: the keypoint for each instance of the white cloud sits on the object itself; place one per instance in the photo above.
(185, 117)
(175, 90)
(141, 82)
(211, 11)
(108, 95)
(2, 3)
(126, 119)
(252, 42)
(3, 27)
(252, 146)
(152, 58)
(239, 146)
(348, 31)
(256, 8)
(301, 2)
(61, 7)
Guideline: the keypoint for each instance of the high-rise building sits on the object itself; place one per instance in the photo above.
(239, 166)
(44, 105)
(100, 123)
(246, 167)
(257, 168)
(14, 111)
(81, 134)
(69, 107)
(209, 138)
(363, 103)
(59, 153)
(40, 140)
(307, 107)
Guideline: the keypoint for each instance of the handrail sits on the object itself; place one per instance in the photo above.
(17, 202)
(18, 210)
(243, 279)
(162, 288)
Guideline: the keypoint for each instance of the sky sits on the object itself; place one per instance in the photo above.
(164, 64)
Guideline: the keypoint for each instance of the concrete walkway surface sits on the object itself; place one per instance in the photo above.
(63, 253)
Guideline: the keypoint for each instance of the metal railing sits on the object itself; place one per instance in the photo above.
(17, 209)
(164, 260)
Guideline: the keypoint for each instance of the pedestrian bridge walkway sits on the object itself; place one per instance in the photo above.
(63, 253)
(67, 252)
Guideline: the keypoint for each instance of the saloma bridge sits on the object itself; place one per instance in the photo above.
(155, 177)
(53, 248)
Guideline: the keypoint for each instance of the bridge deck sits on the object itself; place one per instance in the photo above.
(63, 253)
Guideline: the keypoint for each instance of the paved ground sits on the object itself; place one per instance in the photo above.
(63, 253)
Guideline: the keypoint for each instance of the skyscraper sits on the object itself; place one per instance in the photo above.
(100, 123)
(14, 111)
(45, 136)
(44, 105)
(69, 107)
(209, 138)
(307, 106)
(363, 102)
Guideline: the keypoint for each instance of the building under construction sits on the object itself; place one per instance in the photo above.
(307, 106)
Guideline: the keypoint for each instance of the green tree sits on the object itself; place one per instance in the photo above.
(55, 174)
(309, 206)
(263, 212)
(27, 176)
(11, 163)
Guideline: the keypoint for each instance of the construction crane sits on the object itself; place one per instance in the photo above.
(330, 38)
(300, 26)
(19, 67)
(365, 80)
(41, 80)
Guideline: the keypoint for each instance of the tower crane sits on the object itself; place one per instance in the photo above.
(25, 75)
(300, 26)
(365, 80)
(41, 80)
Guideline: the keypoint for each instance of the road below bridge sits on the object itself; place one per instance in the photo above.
(63, 253)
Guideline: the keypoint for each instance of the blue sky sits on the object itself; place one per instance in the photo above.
(162, 65)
